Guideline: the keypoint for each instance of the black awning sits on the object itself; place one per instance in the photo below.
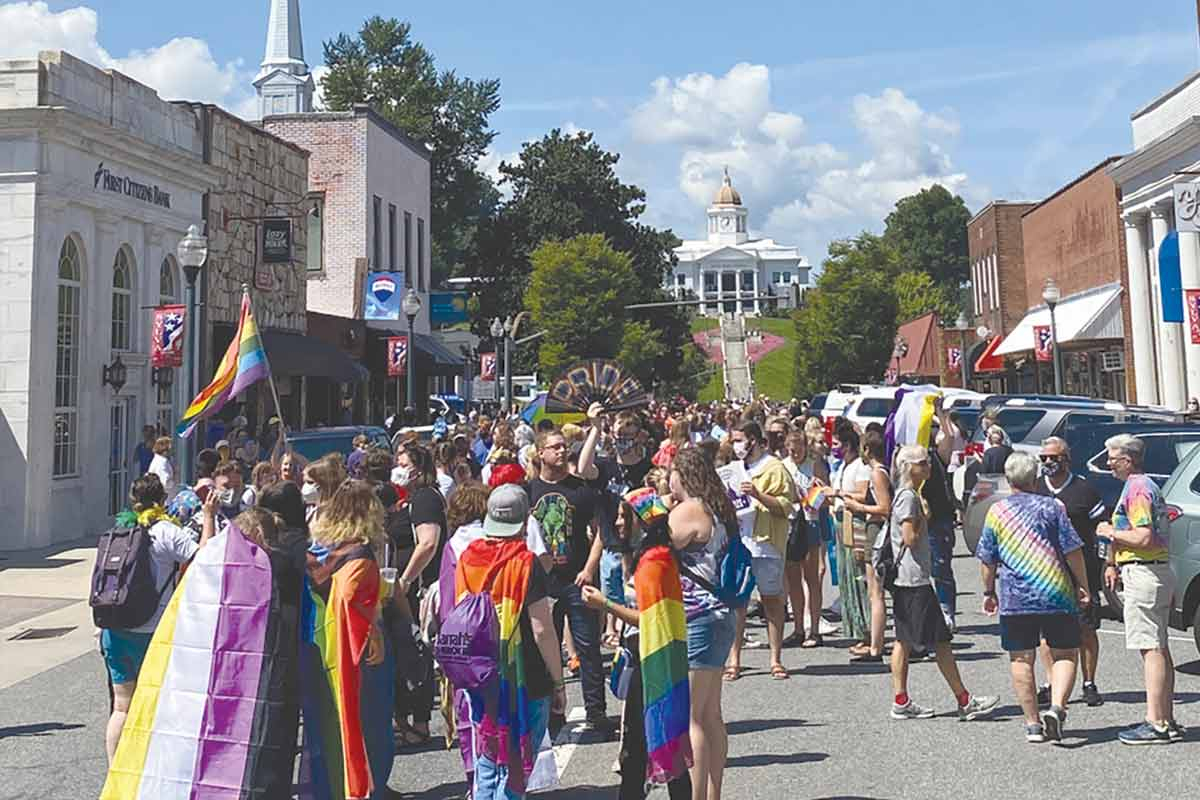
(429, 345)
(293, 354)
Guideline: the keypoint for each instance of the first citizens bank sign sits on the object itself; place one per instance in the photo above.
(106, 180)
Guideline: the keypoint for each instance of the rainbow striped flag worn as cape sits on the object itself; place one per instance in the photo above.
(662, 649)
(244, 363)
(215, 712)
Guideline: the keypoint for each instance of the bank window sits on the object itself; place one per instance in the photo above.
(122, 301)
(391, 236)
(420, 254)
(407, 249)
(66, 362)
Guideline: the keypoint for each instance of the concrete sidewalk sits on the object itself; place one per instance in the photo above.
(45, 619)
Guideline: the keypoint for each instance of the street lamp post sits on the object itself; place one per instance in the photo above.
(498, 331)
(899, 351)
(962, 325)
(411, 306)
(510, 329)
(1051, 294)
(192, 252)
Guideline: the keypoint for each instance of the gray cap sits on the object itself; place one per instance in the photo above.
(507, 511)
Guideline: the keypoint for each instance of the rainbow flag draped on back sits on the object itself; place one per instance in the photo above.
(662, 649)
(244, 363)
(504, 730)
(215, 712)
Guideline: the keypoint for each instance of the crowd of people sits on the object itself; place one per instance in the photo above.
(473, 574)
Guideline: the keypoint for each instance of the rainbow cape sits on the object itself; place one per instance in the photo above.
(662, 649)
(504, 728)
(244, 363)
(336, 759)
(215, 712)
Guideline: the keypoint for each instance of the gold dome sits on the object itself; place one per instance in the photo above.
(727, 195)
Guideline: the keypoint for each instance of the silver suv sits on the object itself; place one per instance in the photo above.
(1182, 494)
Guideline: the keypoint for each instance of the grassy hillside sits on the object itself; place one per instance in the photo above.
(773, 375)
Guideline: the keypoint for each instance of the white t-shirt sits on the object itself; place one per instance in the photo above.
(850, 475)
(161, 466)
(170, 545)
(445, 484)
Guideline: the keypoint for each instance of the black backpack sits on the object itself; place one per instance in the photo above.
(124, 594)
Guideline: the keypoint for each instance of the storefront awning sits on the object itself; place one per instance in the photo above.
(292, 354)
(1091, 314)
(426, 344)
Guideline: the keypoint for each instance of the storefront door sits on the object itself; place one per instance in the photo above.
(120, 419)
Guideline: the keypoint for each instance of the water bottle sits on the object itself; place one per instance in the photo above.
(1103, 548)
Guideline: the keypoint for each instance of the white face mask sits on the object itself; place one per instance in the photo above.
(402, 475)
(310, 493)
(741, 450)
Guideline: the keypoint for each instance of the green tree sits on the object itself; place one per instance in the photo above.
(386, 68)
(846, 326)
(929, 232)
(917, 294)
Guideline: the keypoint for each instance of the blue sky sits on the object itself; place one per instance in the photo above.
(825, 113)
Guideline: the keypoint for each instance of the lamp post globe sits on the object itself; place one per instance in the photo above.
(982, 332)
(411, 306)
(962, 323)
(497, 329)
(192, 252)
(1052, 294)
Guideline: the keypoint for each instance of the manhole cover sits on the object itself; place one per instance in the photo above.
(41, 633)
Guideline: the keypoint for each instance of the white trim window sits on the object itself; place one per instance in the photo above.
(66, 362)
(122, 302)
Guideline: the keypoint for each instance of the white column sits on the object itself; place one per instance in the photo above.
(757, 310)
(1189, 270)
(1140, 318)
(1174, 389)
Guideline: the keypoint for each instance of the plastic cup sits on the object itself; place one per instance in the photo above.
(388, 576)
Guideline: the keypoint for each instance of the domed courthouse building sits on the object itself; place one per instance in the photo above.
(730, 272)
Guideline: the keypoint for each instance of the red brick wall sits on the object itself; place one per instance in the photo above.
(997, 231)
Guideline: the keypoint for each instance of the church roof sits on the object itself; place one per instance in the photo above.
(727, 195)
(285, 42)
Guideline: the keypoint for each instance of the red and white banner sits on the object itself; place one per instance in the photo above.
(1192, 297)
(954, 357)
(166, 338)
(397, 355)
(487, 366)
(1043, 343)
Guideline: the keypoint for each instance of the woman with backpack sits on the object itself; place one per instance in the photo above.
(701, 536)
(873, 511)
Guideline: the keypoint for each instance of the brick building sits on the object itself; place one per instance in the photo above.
(1075, 237)
(996, 253)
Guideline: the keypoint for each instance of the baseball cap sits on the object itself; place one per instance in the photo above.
(507, 511)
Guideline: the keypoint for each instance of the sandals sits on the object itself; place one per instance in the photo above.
(731, 674)
(859, 649)
(794, 640)
(812, 641)
(779, 673)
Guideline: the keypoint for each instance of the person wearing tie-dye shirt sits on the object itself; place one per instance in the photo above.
(1028, 539)
(1138, 559)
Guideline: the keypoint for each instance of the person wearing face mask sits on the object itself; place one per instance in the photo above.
(777, 431)
(319, 481)
(1085, 510)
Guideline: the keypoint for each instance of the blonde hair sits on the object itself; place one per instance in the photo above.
(353, 515)
(327, 473)
(260, 526)
(571, 432)
(902, 471)
(659, 480)
(162, 445)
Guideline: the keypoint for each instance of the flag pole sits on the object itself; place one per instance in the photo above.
(270, 374)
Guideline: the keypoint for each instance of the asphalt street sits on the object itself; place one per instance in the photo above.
(825, 733)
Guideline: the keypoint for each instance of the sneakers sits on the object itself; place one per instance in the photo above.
(1145, 734)
(1091, 695)
(976, 707)
(911, 711)
(597, 722)
(1043, 698)
(1052, 723)
(1176, 731)
(1034, 733)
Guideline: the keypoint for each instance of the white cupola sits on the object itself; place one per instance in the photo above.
(727, 215)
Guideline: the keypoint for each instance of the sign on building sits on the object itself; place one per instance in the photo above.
(447, 308)
(1187, 207)
(483, 390)
(276, 241)
(383, 293)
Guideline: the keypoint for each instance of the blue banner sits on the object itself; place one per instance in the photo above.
(383, 291)
(447, 308)
(1169, 279)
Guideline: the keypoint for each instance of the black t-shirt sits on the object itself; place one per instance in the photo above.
(1085, 507)
(425, 506)
(615, 480)
(936, 490)
(564, 509)
(537, 676)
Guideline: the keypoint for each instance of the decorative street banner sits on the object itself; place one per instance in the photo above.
(1043, 346)
(487, 366)
(1193, 307)
(447, 308)
(166, 338)
(383, 293)
(954, 357)
(397, 355)
(276, 241)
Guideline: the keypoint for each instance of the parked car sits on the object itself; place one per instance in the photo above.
(1182, 494)
(873, 404)
(317, 442)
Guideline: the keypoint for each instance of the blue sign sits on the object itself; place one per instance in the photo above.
(383, 293)
(1169, 279)
(447, 308)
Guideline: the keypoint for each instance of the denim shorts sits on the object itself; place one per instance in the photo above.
(710, 638)
(124, 652)
(768, 574)
(612, 577)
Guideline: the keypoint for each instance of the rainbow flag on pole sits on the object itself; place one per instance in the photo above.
(244, 364)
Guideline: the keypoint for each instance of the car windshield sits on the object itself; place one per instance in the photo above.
(1016, 422)
(874, 407)
(818, 403)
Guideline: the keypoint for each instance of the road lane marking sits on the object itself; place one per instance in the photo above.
(568, 739)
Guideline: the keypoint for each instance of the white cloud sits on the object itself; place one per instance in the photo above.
(182, 68)
(701, 109)
(319, 74)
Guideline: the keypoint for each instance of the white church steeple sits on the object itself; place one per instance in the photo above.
(284, 84)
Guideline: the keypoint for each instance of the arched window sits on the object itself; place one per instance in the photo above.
(168, 291)
(66, 362)
(122, 301)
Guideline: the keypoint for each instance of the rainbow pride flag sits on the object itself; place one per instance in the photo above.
(816, 497)
(662, 650)
(216, 710)
(244, 363)
(535, 412)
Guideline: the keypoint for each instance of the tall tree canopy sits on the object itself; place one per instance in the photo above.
(929, 233)
(386, 68)
(846, 326)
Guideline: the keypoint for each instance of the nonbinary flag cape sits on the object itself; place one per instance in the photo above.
(216, 710)
(662, 650)
(244, 363)
(911, 419)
